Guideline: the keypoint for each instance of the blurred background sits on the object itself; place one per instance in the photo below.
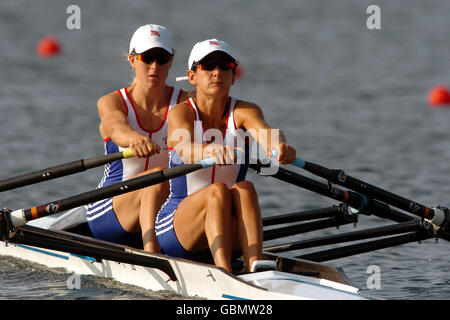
(346, 97)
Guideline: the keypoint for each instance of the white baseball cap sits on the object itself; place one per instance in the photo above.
(151, 36)
(203, 48)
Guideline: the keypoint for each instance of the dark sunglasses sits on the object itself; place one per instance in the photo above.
(210, 65)
(149, 56)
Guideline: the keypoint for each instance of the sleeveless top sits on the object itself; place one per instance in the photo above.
(230, 174)
(125, 169)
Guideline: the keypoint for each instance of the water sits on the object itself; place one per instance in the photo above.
(27, 280)
(345, 96)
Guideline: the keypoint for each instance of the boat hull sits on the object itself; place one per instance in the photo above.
(194, 279)
(179, 276)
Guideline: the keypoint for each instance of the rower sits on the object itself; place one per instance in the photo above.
(214, 211)
(135, 117)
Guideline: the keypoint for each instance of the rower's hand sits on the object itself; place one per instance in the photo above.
(143, 147)
(286, 153)
(222, 155)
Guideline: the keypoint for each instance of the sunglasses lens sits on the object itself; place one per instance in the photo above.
(212, 64)
(163, 59)
(208, 66)
(148, 57)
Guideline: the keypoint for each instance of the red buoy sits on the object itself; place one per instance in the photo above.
(439, 96)
(48, 47)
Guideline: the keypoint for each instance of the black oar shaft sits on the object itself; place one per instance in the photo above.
(109, 191)
(41, 175)
(302, 216)
(349, 236)
(351, 198)
(303, 227)
(58, 171)
(97, 250)
(359, 248)
(294, 178)
(339, 177)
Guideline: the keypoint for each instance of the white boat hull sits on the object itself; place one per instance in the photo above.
(193, 279)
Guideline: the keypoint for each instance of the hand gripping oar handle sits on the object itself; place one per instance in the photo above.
(437, 215)
(209, 162)
(298, 162)
(62, 170)
(13, 219)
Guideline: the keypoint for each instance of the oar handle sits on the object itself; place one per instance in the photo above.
(209, 162)
(298, 162)
(127, 153)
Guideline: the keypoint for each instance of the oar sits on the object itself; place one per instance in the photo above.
(86, 246)
(10, 220)
(438, 216)
(355, 200)
(350, 250)
(305, 227)
(305, 215)
(62, 170)
(377, 232)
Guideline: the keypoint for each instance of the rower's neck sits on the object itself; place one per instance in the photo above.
(149, 98)
(212, 107)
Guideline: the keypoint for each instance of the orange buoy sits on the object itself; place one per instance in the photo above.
(439, 96)
(48, 47)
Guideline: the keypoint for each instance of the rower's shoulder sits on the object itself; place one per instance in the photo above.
(110, 97)
(247, 106)
(111, 101)
(182, 110)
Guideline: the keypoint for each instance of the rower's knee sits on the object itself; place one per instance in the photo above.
(219, 191)
(160, 189)
(244, 186)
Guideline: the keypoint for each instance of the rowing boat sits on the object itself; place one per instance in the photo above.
(56, 234)
(60, 246)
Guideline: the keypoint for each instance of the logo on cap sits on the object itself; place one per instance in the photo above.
(214, 43)
(155, 33)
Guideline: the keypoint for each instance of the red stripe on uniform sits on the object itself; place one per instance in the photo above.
(213, 176)
(123, 100)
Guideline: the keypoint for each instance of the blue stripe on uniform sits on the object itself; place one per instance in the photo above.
(178, 186)
(116, 167)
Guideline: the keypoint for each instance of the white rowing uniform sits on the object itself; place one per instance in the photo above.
(125, 169)
(183, 186)
(197, 180)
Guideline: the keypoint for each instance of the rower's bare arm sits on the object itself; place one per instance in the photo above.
(180, 132)
(114, 125)
(250, 117)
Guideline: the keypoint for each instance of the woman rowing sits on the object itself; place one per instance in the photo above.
(213, 209)
(135, 117)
